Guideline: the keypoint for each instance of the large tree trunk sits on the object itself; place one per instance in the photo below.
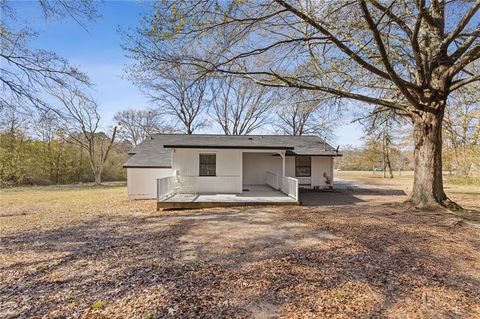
(97, 172)
(98, 178)
(386, 157)
(427, 189)
(389, 165)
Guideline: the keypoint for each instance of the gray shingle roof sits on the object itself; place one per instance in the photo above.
(155, 152)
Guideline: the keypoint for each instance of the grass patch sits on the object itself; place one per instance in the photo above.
(462, 180)
(99, 304)
(60, 187)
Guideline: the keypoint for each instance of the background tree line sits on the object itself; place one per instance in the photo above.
(67, 145)
(233, 65)
(39, 151)
(51, 130)
(50, 125)
(388, 142)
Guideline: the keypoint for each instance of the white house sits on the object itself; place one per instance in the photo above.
(221, 164)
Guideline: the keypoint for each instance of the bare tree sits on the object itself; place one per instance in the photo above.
(176, 92)
(368, 51)
(386, 151)
(83, 119)
(304, 113)
(13, 124)
(462, 127)
(28, 75)
(240, 107)
(384, 127)
(137, 125)
(47, 126)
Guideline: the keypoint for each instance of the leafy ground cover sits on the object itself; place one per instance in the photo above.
(356, 252)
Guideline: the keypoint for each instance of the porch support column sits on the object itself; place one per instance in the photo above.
(172, 159)
(282, 154)
(280, 182)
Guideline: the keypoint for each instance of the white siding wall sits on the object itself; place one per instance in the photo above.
(290, 171)
(256, 164)
(235, 168)
(141, 182)
(321, 165)
(228, 170)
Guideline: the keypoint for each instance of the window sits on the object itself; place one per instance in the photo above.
(303, 166)
(207, 165)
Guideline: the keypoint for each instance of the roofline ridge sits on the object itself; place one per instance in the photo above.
(245, 135)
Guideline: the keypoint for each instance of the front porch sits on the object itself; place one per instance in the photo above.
(252, 195)
(239, 179)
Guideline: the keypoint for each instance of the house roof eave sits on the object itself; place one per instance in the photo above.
(232, 147)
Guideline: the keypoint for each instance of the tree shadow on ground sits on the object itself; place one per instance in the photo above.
(342, 196)
(243, 262)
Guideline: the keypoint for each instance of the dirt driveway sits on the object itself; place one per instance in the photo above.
(345, 254)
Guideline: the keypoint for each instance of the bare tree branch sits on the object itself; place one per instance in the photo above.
(461, 25)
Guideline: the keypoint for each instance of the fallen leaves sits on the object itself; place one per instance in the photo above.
(99, 256)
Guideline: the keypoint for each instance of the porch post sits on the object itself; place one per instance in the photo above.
(282, 154)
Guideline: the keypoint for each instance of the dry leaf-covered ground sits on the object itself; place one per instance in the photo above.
(353, 253)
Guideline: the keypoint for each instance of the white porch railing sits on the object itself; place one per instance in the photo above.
(223, 184)
(285, 184)
(290, 186)
(273, 180)
(164, 187)
(191, 184)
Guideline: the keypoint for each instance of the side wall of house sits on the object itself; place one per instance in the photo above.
(290, 171)
(228, 177)
(141, 182)
(321, 166)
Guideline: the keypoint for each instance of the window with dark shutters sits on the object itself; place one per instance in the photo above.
(208, 164)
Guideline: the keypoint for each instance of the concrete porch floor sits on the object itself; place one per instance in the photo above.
(252, 195)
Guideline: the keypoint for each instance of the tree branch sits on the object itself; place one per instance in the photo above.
(420, 66)
(462, 82)
(308, 86)
(465, 45)
(461, 25)
(355, 57)
(393, 16)
(469, 57)
(384, 56)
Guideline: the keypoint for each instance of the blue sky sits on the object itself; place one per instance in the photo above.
(98, 53)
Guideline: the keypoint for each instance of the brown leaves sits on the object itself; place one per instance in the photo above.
(360, 258)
